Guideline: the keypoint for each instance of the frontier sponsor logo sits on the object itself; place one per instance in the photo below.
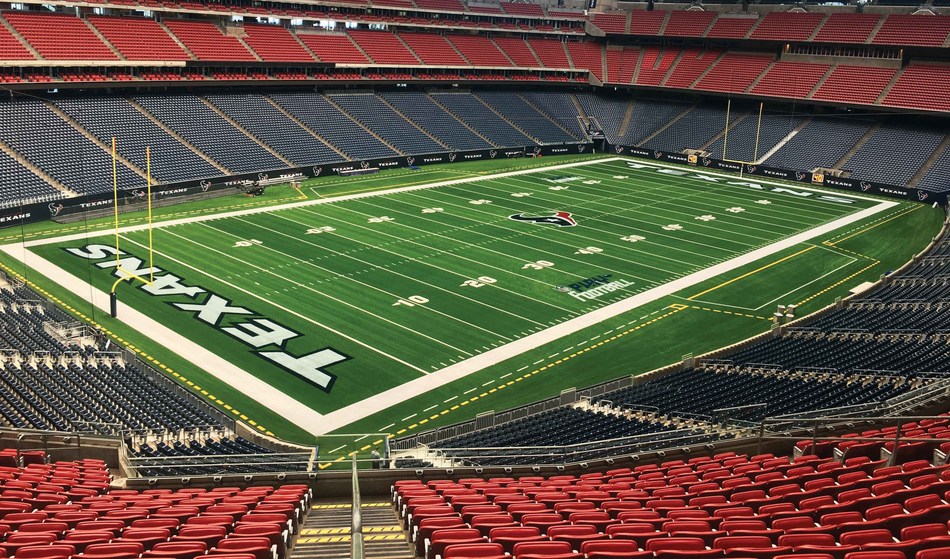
(267, 338)
(594, 287)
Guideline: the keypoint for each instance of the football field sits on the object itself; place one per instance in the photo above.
(330, 310)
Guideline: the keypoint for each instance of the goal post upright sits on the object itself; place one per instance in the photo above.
(725, 138)
(128, 274)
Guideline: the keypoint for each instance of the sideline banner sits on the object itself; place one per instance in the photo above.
(137, 196)
(818, 179)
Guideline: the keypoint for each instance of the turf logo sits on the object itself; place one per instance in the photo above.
(267, 338)
(593, 287)
(561, 219)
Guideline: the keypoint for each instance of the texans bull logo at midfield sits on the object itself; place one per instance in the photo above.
(561, 219)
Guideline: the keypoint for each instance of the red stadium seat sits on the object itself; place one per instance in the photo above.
(508, 536)
(475, 551)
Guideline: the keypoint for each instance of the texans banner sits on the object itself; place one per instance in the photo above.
(131, 198)
(903, 192)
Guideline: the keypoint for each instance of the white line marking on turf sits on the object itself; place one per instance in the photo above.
(415, 387)
(337, 448)
(409, 417)
(386, 427)
(432, 407)
(360, 439)
(489, 382)
(469, 390)
(506, 375)
(317, 423)
(450, 399)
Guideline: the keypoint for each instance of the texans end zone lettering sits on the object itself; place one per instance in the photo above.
(561, 219)
(267, 337)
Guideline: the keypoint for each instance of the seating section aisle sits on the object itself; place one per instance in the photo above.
(376, 115)
(433, 49)
(467, 108)
(921, 85)
(59, 36)
(647, 117)
(106, 117)
(523, 115)
(50, 143)
(333, 47)
(743, 141)
(429, 116)
(274, 43)
(855, 84)
(821, 143)
(318, 114)
(692, 130)
(275, 129)
(894, 153)
(207, 42)
(139, 38)
(937, 178)
(24, 186)
(558, 106)
(197, 123)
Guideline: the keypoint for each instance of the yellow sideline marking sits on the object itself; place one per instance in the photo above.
(747, 274)
(183, 381)
(731, 312)
(869, 227)
(676, 307)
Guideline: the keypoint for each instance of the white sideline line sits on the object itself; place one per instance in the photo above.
(319, 424)
(378, 402)
(292, 205)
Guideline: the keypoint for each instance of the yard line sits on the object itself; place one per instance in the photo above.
(390, 397)
(307, 263)
(85, 235)
(571, 247)
(791, 198)
(281, 307)
(654, 232)
(308, 288)
(528, 233)
(618, 213)
(419, 261)
(598, 217)
(715, 190)
(481, 263)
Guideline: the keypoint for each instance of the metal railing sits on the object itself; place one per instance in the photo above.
(356, 528)
(578, 453)
(817, 424)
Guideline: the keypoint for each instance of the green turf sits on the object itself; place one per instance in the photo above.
(342, 288)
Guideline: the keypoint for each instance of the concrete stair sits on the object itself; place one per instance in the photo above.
(299, 123)
(177, 40)
(105, 147)
(506, 119)
(181, 139)
(36, 170)
(363, 126)
(247, 132)
(943, 147)
(102, 38)
(326, 532)
(460, 121)
(20, 38)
